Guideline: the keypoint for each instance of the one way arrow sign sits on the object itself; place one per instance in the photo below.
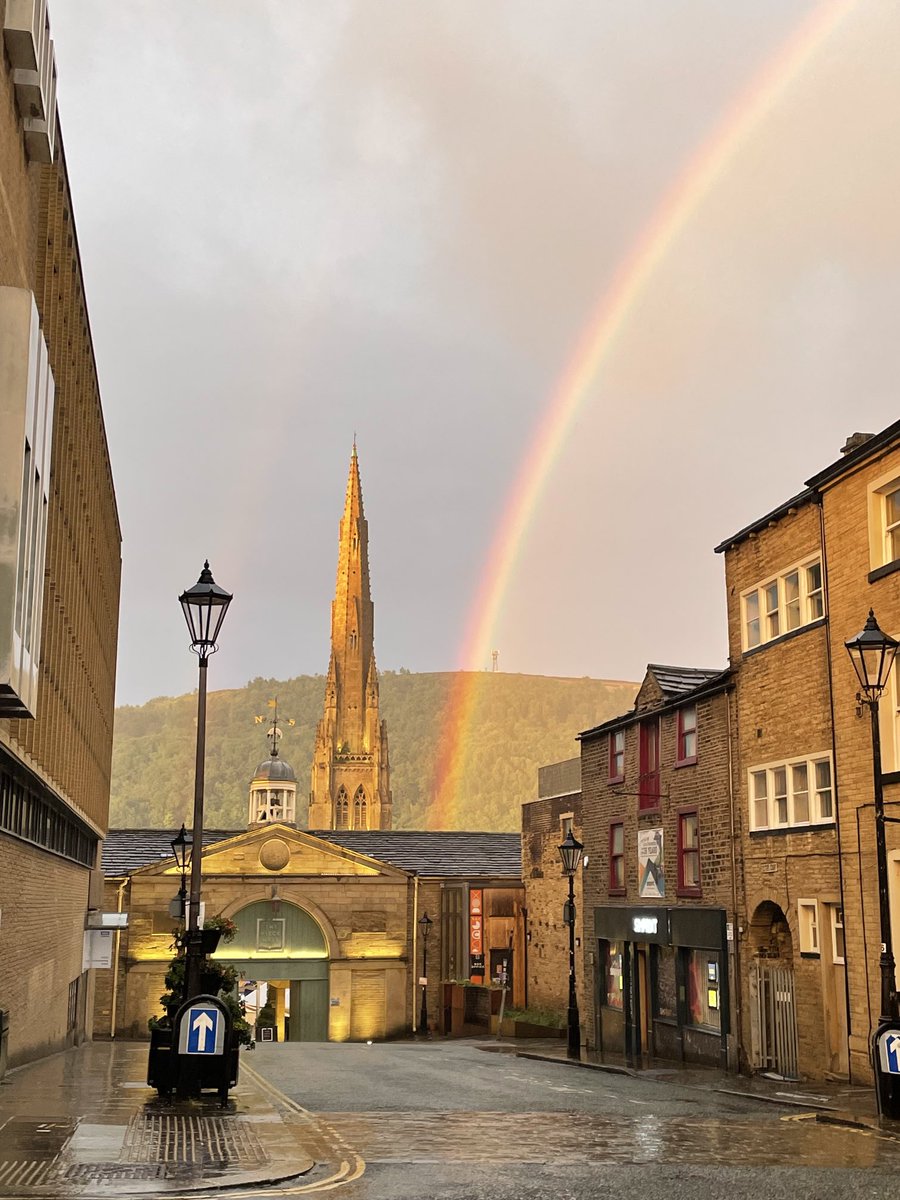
(202, 1030)
(889, 1051)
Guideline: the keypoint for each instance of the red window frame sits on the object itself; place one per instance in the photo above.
(648, 781)
(682, 759)
(617, 886)
(686, 889)
(614, 775)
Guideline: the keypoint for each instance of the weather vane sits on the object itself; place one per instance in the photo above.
(274, 732)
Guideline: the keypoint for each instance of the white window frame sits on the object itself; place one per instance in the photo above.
(564, 819)
(836, 924)
(777, 618)
(808, 921)
(813, 791)
(878, 491)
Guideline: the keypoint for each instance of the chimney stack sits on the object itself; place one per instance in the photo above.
(854, 441)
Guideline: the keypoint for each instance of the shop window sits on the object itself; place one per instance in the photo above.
(808, 919)
(703, 989)
(665, 998)
(612, 974)
(689, 853)
(617, 756)
(686, 751)
(648, 782)
(617, 858)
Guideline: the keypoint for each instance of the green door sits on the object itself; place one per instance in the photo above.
(309, 1010)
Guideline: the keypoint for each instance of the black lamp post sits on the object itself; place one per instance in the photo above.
(570, 853)
(872, 653)
(425, 923)
(181, 848)
(204, 606)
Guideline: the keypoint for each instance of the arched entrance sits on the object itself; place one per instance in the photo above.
(773, 1018)
(282, 945)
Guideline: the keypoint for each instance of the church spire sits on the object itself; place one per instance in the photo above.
(350, 785)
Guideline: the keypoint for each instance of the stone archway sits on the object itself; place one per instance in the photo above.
(281, 944)
(770, 934)
(773, 1019)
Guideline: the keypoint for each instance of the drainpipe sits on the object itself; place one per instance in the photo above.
(848, 1008)
(415, 948)
(115, 978)
(737, 992)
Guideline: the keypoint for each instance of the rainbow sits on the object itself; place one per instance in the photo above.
(679, 204)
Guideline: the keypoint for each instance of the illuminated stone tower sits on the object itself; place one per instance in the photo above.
(351, 771)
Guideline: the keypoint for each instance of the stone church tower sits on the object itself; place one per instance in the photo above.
(351, 771)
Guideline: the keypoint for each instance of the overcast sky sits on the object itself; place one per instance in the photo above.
(298, 219)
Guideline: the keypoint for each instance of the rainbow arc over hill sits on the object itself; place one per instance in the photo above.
(575, 388)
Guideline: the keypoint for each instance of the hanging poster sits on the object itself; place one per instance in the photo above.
(651, 872)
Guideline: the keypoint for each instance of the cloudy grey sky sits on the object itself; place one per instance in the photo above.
(299, 219)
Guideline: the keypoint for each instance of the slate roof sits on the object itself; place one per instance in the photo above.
(427, 852)
(676, 682)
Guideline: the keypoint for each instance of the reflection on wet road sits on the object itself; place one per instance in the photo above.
(536, 1137)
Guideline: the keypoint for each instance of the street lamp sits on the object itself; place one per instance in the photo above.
(182, 847)
(425, 923)
(204, 606)
(570, 853)
(872, 653)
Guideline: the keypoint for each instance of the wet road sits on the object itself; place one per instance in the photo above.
(445, 1119)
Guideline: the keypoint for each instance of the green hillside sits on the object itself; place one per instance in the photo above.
(518, 723)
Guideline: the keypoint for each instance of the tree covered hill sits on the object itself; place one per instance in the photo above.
(518, 723)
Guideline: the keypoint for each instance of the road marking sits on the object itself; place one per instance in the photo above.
(350, 1168)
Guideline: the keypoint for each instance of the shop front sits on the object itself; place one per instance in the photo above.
(662, 984)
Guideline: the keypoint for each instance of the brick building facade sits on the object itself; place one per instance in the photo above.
(59, 566)
(659, 888)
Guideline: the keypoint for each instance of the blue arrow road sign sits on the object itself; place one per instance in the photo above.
(202, 1030)
(889, 1051)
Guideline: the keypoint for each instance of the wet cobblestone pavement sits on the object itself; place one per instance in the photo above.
(84, 1123)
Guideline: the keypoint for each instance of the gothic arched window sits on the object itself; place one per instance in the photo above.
(360, 810)
(342, 810)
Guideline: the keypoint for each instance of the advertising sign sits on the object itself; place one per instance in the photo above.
(476, 933)
(651, 872)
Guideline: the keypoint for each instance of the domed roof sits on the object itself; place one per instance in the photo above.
(275, 769)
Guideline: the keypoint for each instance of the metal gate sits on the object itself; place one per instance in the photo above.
(774, 1021)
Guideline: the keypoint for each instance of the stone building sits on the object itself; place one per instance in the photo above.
(800, 582)
(330, 921)
(59, 568)
(859, 499)
(660, 891)
(793, 988)
(351, 786)
(545, 823)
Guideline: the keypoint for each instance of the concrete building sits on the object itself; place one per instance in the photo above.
(660, 891)
(59, 567)
(351, 785)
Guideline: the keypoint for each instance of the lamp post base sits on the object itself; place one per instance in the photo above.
(573, 1044)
